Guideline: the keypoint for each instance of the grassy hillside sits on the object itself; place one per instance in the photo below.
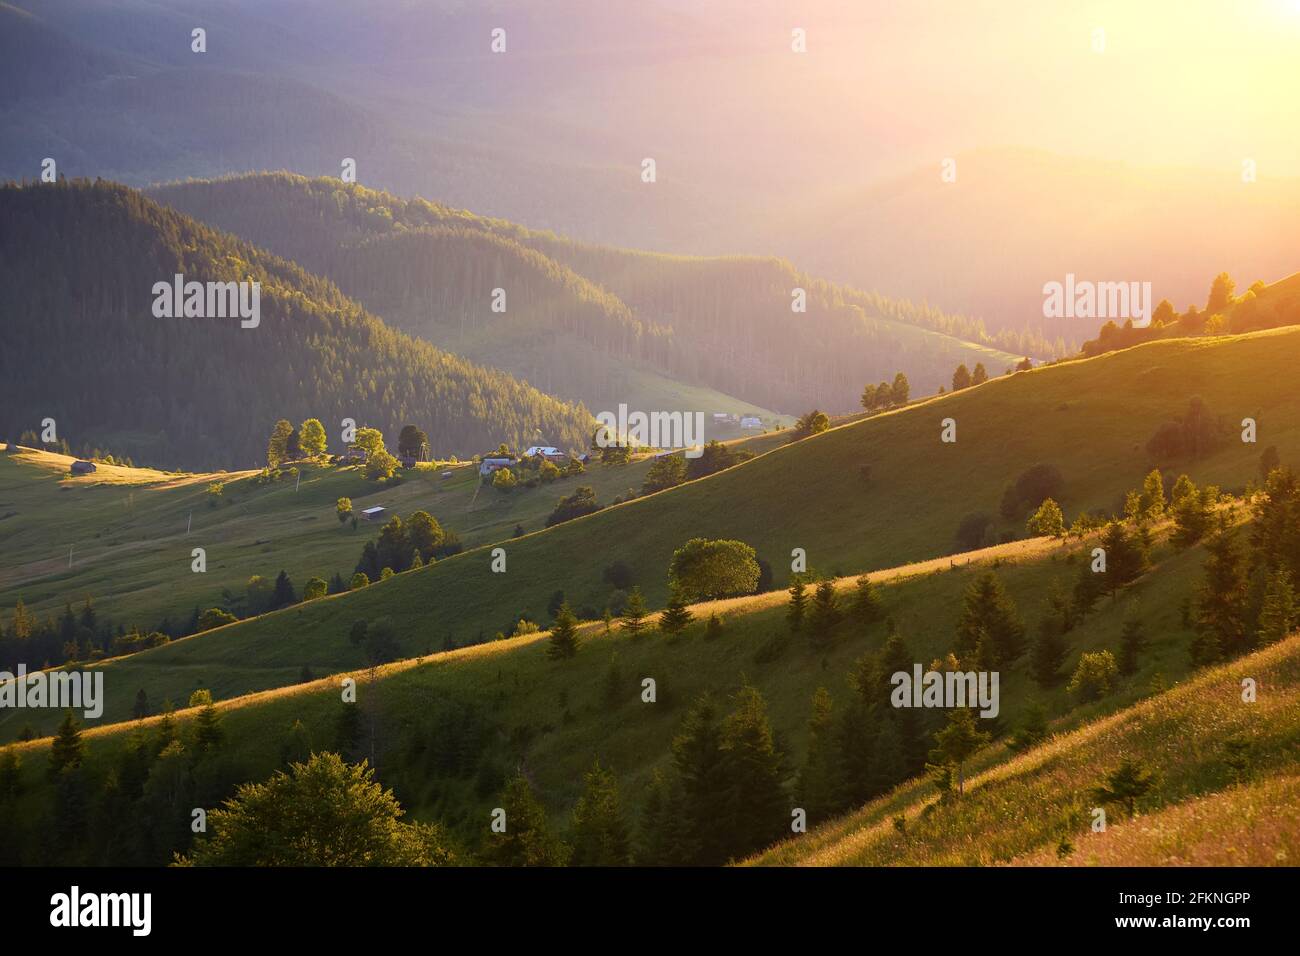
(1020, 808)
(78, 265)
(724, 323)
(1090, 418)
(505, 705)
(127, 527)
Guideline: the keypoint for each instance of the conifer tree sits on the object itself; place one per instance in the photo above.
(818, 778)
(1088, 587)
(527, 840)
(634, 613)
(713, 629)
(1125, 785)
(697, 760)
(564, 634)
(1278, 615)
(959, 739)
(1221, 600)
(277, 449)
(68, 749)
(867, 606)
(1132, 640)
(1152, 502)
(208, 732)
(1048, 654)
(987, 608)
(825, 615)
(600, 831)
(757, 809)
(1125, 561)
(676, 616)
(798, 603)
(10, 774)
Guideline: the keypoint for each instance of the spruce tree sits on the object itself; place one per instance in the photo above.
(798, 603)
(959, 739)
(1221, 600)
(347, 730)
(141, 708)
(1132, 640)
(867, 607)
(697, 760)
(68, 749)
(284, 593)
(527, 840)
(11, 766)
(1278, 615)
(662, 830)
(1152, 502)
(208, 732)
(1048, 654)
(1125, 785)
(1032, 730)
(713, 629)
(825, 616)
(676, 616)
(988, 609)
(756, 806)
(634, 614)
(564, 634)
(818, 778)
(1088, 587)
(1125, 561)
(600, 831)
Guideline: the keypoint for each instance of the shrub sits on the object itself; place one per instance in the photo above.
(1095, 675)
(703, 570)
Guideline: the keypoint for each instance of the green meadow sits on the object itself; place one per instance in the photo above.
(1090, 418)
(553, 718)
(130, 531)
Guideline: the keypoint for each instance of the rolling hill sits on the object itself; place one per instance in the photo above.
(580, 318)
(908, 508)
(78, 265)
(446, 730)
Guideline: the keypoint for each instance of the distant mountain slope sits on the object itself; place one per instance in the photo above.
(28, 48)
(723, 322)
(78, 263)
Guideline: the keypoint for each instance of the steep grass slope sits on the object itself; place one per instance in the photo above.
(447, 729)
(1020, 809)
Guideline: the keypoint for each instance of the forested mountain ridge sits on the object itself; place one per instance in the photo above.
(78, 263)
(722, 322)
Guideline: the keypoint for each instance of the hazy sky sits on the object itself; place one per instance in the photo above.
(1183, 82)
